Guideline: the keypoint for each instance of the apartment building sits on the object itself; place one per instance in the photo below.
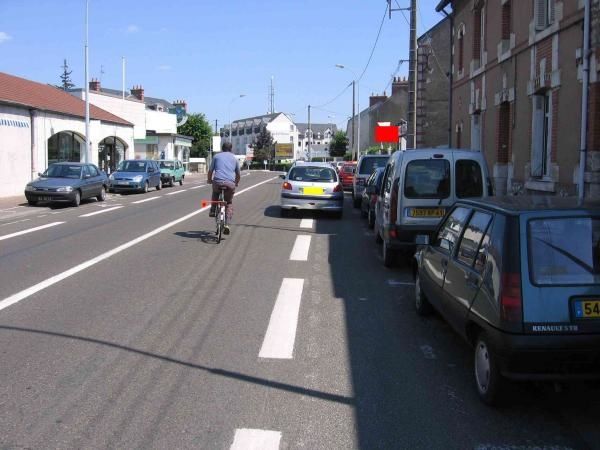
(517, 91)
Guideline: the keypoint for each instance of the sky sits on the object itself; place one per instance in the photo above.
(209, 52)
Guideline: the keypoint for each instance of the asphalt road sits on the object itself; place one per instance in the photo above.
(132, 328)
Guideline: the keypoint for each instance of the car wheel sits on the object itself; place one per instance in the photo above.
(32, 202)
(371, 218)
(422, 305)
(172, 182)
(77, 199)
(389, 255)
(102, 196)
(181, 182)
(488, 379)
(159, 185)
(145, 188)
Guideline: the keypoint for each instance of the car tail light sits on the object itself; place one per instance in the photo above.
(511, 302)
(338, 188)
(287, 186)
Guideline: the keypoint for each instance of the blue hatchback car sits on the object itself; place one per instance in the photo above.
(136, 175)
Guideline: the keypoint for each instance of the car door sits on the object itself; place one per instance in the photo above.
(464, 274)
(435, 257)
(386, 189)
(87, 182)
(97, 180)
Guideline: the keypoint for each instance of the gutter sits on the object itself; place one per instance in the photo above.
(584, 99)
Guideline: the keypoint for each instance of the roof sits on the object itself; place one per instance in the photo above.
(514, 204)
(316, 127)
(158, 101)
(442, 4)
(30, 94)
(261, 117)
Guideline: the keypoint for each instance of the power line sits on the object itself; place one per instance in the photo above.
(431, 46)
(375, 44)
(334, 98)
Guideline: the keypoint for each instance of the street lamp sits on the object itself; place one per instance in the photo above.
(356, 81)
(229, 111)
(330, 133)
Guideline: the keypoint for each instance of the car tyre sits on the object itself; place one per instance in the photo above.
(172, 182)
(32, 202)
(77, 199)
(102, 196)
(181, 181)
(488, 379)
(145, 188)
(159, 185)
(389, 255)
(422, 305)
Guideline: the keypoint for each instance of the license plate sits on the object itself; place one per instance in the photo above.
(313, 191)
(587, 309)
(44, 199)
(427, 212)
(123, 183)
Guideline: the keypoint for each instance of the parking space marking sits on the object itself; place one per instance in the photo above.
(306, 223)
(301, 247)
(176, 192)
(145, 200)
(281, 332)
(253, 439)
(30, 230)
(101, 211)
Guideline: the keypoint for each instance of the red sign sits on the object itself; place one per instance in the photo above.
(386, 134)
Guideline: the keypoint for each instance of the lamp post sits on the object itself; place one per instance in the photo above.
(354, 82)
(229, 113)
(330, 133)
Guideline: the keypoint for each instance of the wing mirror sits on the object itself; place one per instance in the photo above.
(422, 239)
(282, 176)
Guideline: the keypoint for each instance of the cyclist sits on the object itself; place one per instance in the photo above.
(224, 172)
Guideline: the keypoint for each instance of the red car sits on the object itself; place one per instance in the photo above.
(347, 174)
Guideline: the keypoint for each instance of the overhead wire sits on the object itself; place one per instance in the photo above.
(375, 44)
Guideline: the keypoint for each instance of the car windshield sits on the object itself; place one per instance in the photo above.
(312, 174)
(368, 165)
(63, 171)
(167, 165)
(133, 166)
(427, 178)
(558, 259)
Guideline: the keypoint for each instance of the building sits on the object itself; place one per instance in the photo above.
(41, 124)
(322, 134)
(517, 91)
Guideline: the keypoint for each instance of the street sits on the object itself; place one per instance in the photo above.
(124, 325)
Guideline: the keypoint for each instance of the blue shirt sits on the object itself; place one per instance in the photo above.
(224, 167)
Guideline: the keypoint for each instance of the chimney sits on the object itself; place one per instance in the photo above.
(138, 92)
(375, 99)
(95, 85)
(181, 103)
(399, 85)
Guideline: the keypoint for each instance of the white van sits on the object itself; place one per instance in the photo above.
(418, 187)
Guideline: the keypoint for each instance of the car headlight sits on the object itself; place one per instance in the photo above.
(138, 178)
(65, 189)
(29, 188)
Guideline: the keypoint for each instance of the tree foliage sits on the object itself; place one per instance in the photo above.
(65, 78)
(263, 145)
(200, 130)
(339, 144)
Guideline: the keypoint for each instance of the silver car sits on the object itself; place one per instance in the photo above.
(314, 186)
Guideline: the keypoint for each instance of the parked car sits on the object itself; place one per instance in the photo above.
(314, 186)
(67, 182)
(369, 197)
(418, 187)
(171, 171)
(338, 165)
(507, 275)
(365, 167)
(347, 174)
(136, 175)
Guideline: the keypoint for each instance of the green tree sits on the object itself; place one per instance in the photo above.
(263, 145)
(339, 144)
(200, 130)
(65, 78)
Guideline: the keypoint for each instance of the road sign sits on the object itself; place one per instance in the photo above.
(284, 151)
(387, 133)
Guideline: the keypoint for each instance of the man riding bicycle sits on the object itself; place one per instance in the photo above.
(224, 173)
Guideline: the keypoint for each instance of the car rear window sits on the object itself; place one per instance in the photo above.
(427, 178)
(368, 165)
(324, 174)
(556, 258)
(167, 165)
(348, 169)
(469, 181)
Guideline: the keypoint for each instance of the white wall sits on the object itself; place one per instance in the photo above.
(161, 122)
(15, 150)
(281, 130)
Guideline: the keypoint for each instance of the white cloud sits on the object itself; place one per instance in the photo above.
(4, 37)
(133, 28)
(164, 67)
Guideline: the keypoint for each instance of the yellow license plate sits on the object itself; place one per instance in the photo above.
(587, 309)
(427, 212)
(313, 191)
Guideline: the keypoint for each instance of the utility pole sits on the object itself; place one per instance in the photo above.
(87, 90)
(309, 134)
(353, 118)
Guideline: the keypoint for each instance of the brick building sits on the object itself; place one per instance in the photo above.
(516, 91)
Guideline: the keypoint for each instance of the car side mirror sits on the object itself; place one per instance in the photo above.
(282, 176)
(422, 239)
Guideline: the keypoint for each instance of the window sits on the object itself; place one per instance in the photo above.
(312, 174)
(292, 139)
(64, 146)
(478, 33)
(476, 131)
(471, 240)
(544, 14)
(368, 165)
(469, 181)
(93, 171)
(291, 127)
(542, 134)
(556, 258)
(459, 128)
(427, 178)
(506, 20)
(461, 48)
(450, 232)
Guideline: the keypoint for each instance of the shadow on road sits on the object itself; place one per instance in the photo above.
(207, 237)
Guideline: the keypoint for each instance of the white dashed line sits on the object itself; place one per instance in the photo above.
(281, 332)
(145, 200)
(251, 439)
(101, 211)
(306, 223)
(301, 247)
(176, 192)
(196, 187)
(30, 230)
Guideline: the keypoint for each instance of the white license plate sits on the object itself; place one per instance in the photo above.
(123, 183)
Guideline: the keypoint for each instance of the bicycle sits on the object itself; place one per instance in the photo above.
(220, 213)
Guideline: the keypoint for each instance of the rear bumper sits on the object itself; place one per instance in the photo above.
(403, 236)
(317, 203)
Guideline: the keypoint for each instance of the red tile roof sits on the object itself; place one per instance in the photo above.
(31, 94)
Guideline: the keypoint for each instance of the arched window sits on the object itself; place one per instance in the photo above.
(461, 48)
(64, 146)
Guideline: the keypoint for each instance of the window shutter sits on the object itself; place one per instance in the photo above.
(540, 14)
(551, 12)
(537, 151)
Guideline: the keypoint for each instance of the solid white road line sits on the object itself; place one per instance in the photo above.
(196, 187)
(306, 223)
(146, 200)
(301, 247)
(30, 230)
(176, 192)
(8, 301)
(252, 439)
(101, 211)
(281, 332)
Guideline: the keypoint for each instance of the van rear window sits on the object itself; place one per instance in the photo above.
(555, 258)
(427, 178)
(469, 182)
(368, 165)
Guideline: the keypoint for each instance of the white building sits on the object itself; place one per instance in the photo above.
(41, 124)
(321, 136)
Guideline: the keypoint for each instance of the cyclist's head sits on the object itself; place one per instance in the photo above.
(226, 147)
